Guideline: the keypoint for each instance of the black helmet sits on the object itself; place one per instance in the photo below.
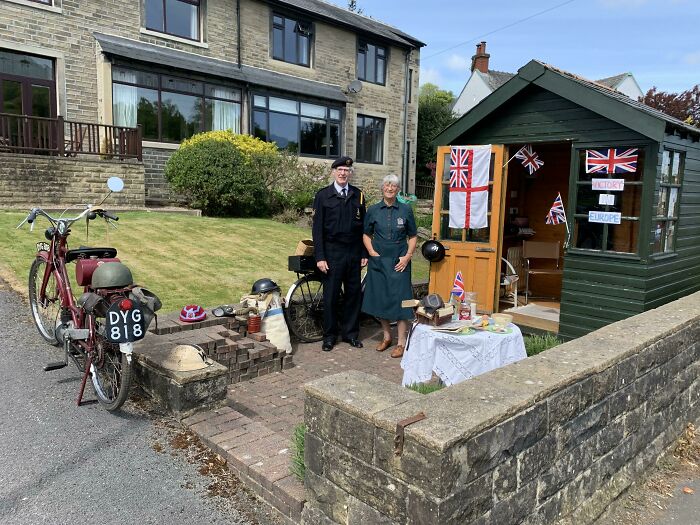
(264, 285)
(433, 250)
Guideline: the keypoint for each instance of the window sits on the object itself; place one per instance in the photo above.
(170, 109)
(665, 222)
(174, 17)
(410, 86)
(27, 85)
(619, 209)
(370, 139)
(291, 40)
(45, 2)
(371, 63)
(300, 127)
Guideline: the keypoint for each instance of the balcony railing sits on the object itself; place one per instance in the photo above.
(67, 138)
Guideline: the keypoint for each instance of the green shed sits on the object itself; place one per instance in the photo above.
(631, 241)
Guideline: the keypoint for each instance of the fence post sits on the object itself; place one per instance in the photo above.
(139, 147)
(59, 136)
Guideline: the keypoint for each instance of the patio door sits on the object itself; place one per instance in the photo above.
(474, 252)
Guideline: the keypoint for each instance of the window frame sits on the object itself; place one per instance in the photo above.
(197, 3)
(663, 181)
(160, 90)
(362, 44)
(329, 120)
(299, 22)
(359, 156)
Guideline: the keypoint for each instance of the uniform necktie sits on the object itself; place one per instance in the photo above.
(343, 193)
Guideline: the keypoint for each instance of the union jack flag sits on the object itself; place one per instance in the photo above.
(458, 287)
(556, 214)
(460, 164)
(611, 160)
(529, 159)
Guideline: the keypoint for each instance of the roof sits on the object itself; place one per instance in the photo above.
(152, 54)
(357, 22)
(613, 81)
(496, 79)
(594, 96)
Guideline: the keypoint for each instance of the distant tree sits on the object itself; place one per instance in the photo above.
(434, 115)
(684, 106)
(352, 6)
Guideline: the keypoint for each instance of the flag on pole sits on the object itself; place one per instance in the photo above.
(529, 158)
(469, 186)
(611, 160)
(556, 214)
(458, 287)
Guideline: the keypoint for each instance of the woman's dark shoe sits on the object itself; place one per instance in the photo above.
(398, 351)
(386, 343)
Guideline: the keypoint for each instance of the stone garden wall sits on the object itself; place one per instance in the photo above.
(554, 438)
(36, 180)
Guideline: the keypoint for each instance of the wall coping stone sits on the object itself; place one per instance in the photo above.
(461, 411)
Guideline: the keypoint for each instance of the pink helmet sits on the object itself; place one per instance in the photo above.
(192, 313)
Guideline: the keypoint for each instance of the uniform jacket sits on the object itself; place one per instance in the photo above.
(338, 223)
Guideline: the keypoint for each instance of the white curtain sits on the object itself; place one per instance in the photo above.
(226, 115)
(125, 101)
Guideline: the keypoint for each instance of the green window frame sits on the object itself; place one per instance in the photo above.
(669, 181)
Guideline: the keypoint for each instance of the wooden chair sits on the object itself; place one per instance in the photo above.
(540, 251)
(509, 283)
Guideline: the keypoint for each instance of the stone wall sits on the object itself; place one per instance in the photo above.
(554, 438)
(157, 188)
(36, 180)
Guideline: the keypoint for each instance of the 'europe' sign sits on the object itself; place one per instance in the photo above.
(605, 217)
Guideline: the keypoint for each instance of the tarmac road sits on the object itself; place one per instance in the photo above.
(60, 463)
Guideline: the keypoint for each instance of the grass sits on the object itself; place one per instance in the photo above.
(297, 467)
(182, 258)
(534, 344)
(426, 388)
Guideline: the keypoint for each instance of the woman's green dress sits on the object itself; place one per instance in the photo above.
(385, 288)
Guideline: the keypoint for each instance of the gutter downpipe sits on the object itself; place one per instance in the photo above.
(404, 154)
(238, 31)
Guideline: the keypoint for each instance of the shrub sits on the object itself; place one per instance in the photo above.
(534, 344)
(215, 171)
(297, 467)
(292, 184)
(288, 216)
(426, 388)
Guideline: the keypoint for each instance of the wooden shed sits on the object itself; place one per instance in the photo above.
(634, 241)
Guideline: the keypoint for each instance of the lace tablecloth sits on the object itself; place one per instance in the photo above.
(455, 358)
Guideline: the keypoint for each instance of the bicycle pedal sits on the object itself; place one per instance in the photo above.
(55, 366)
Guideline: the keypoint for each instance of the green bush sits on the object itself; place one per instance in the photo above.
(534, 344)
(288, 216)
(292, 184)
(215, 171)
(298, 468)
(426, 388)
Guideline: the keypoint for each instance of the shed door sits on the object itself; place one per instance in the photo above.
(474, 252)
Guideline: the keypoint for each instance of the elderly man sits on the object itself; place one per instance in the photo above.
(339, 213)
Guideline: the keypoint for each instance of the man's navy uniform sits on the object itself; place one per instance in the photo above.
(337, 234)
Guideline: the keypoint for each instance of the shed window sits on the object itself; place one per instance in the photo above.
(291, 40)
(665, 222)
(622, 202)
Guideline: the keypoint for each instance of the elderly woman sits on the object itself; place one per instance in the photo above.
(390, 238)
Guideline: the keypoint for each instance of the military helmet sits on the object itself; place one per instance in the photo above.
(112, 275)
(433, 250)
(264, 285)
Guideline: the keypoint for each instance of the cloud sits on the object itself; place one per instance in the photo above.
(692, 58)
(458, 63)
(430, 75)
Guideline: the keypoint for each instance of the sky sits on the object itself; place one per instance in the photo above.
(658, 41)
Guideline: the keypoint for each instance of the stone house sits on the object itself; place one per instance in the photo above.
(311, 76)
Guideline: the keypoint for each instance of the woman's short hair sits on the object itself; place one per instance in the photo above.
(389, 179)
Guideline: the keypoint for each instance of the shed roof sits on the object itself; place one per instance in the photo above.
(594, 96)
(152, 54)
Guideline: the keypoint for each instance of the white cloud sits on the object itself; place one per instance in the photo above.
(458, 63)
(692, 58)
(430, 75)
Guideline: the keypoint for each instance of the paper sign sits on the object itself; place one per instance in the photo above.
(606, 199)
(608, 184)
(605, 217)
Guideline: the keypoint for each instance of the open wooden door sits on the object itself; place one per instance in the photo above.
(476, 253)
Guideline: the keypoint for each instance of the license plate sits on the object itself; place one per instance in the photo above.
(124, 326)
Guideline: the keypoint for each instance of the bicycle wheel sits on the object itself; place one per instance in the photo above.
(303, 309)
(45, 312)
(111, 375)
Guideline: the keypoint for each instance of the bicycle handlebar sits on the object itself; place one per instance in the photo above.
(34, 212)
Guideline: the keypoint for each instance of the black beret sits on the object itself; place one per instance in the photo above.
(342, 161)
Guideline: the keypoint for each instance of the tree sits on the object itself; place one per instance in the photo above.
(434, 115)
(684, 106)
(352, 6)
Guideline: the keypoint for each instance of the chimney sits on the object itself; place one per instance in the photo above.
(480, 60)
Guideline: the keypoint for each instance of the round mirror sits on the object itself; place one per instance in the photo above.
(115, 184)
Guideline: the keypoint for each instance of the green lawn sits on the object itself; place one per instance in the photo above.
(182, 258)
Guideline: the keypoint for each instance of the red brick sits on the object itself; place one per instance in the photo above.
(258, 337)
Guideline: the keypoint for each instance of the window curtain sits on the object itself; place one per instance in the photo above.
(194, 23)
(125, 101)
(226, 115)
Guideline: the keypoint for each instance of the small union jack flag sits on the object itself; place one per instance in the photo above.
(529, 159)
(458, 287)
(460, 164)
(556, 214)
(611, 160)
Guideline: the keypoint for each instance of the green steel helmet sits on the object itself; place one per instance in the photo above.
(112, 275)
(264, 285)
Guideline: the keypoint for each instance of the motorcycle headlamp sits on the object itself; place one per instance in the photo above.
(62, 228)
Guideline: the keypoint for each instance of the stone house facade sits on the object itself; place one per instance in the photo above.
(315, 78)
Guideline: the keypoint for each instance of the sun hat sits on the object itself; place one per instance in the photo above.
(192, 313)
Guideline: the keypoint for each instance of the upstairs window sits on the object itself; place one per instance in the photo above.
(665, 222)
(174, 17)
(291, 40)
(371, 63)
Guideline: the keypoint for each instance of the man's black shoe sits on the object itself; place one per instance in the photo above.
(327, 346)
(354, 342)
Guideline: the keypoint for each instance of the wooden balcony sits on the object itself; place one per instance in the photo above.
(67, 138)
